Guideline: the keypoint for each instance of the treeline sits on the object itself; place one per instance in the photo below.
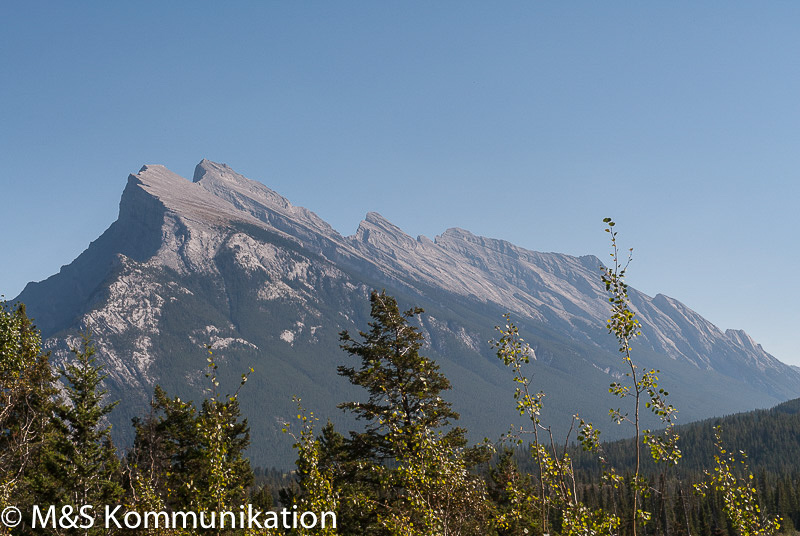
(769, 438)
(408, 471)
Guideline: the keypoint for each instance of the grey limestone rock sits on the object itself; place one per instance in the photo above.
(224, 260)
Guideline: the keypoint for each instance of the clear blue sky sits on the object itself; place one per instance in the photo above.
(528, 121)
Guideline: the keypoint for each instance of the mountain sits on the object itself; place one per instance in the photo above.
(224, 260)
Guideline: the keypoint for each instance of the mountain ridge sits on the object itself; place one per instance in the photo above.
(226, 259)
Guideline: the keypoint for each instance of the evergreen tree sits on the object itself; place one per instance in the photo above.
(404, 387)
(193, 458)
(27, 390)
(513, 497)
(166, 450)
(410, 477)
(81, 466)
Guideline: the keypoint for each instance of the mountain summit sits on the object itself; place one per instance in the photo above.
(223, 260)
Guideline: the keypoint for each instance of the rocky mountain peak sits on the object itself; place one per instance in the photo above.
(378, 219)
(178, 269)
(742, 338)
(457, 233)
(461, 240)
(375, 220)
(156, 186)
(222, 181)
(256, 200)
(378, 232)
(220, 170)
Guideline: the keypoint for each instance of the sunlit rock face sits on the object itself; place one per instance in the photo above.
(226, 262)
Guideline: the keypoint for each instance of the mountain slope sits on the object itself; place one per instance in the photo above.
(769, 437)
(226, 261)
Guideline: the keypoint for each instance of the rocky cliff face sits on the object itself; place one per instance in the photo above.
(224, 260)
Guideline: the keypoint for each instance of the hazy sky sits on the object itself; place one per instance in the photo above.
(526, 121)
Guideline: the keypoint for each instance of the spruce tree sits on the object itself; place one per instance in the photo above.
(401, 474)
(81, 466)
(404, 387)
